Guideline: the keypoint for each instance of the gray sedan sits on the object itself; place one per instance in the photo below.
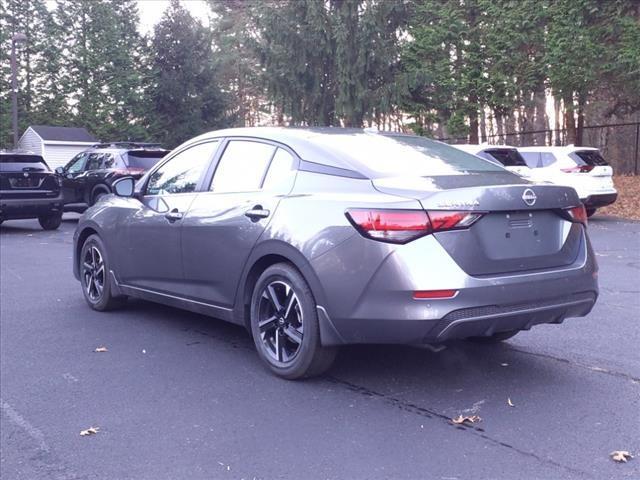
(321, 237)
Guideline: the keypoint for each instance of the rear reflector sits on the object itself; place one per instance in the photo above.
(402, 226)
(577, 214)
(434, 294)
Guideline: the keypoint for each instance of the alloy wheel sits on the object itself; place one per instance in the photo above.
(280, 321)
(93, 273)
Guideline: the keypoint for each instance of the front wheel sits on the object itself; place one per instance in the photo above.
(94, 276)
(51, 221)
(284, 325)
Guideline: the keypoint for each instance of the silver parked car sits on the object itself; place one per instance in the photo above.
(320, 237)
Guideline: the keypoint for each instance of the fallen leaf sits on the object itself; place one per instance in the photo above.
(462, 419)
(101, 349)
(509, 402)
(89, 431)
(621, 456)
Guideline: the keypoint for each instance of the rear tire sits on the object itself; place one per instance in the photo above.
(51, 221)
(495, 338)
(94, 276)
(284, 325)
(590, 212)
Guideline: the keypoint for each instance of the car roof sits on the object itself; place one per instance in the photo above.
(475, 148)
(311, 143)
(563, 149)
(19, 152)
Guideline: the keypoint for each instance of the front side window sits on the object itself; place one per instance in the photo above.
(182, 172)
(77, 163)
(94, 161)
(242, 166)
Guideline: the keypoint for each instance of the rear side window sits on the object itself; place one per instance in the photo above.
(588, 157)
(509, 157)
(144, 159)
(279, 170)
(397, 155)
(242, 166)
(182, 172)
(539, 159)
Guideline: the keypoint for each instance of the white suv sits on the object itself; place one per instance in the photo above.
(582, 168)
(504, 155)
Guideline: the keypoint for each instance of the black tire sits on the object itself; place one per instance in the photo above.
(495, 338)
(296, 319)
(94, 276)
(591, 212)
(51, 221)
(97, 195)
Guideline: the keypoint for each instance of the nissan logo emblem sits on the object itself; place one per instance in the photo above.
(529, 197)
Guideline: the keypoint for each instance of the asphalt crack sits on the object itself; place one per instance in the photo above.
(434, 414)
(591, 368)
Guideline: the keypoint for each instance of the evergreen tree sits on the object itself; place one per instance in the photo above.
(185, 97)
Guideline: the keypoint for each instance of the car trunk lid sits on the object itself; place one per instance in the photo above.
(522, 228)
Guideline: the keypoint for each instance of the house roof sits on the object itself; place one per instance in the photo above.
(63, 134)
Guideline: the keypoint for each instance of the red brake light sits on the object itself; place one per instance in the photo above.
(578, 214)
(402, 226)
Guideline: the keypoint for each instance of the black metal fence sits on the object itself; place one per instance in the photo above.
(618, 142)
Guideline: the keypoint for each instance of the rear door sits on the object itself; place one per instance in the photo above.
(150, 246)
(223, 224)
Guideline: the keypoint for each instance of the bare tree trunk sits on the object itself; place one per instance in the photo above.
(569, 120)
(580, 129)
(540, 121)
(500, 127)
(557, 108)
(511, 136)
(483, 126)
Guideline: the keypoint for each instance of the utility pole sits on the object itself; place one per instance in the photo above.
(17, 38)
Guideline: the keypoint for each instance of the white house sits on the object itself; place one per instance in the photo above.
(57, 145)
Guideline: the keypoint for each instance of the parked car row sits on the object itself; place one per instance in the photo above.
(582, 168)
(29, 189)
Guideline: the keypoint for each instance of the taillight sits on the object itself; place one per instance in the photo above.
(402, 226)
(580, 169)
(577, 214)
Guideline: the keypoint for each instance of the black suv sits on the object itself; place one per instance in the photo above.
(29, 189)
(90, 174)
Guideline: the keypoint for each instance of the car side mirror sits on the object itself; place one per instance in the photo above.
(123, 187)
(59, 170)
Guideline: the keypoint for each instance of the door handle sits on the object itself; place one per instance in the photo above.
(257, 212)
(173, 215)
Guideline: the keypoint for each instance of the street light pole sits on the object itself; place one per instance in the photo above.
(17, 38)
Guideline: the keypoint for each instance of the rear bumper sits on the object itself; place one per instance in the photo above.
(600, 200)
(21, 208)
(385, 312)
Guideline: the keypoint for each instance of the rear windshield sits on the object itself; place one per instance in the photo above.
(398, 155)
(144, 159)
(509, 157)
(21, 161)
(588, 157)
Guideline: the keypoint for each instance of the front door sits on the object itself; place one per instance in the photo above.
(224, 223)
(152, 233)
(72, 183)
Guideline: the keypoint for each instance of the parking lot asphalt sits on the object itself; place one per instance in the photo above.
(182, 396)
